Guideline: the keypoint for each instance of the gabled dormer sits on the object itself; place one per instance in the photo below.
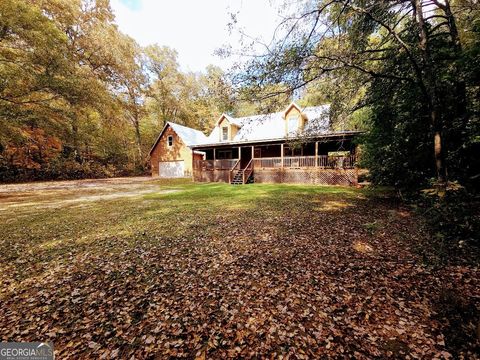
(227, 128)
(294, 119)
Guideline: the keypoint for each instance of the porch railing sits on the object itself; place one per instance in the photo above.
(247, 171)
(298, 161)
(289, 162)
(221, 164)
(321, 161)
(270, 162)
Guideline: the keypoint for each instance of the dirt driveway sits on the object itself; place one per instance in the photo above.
(59, 193)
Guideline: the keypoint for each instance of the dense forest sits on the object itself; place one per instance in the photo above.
(78, 98)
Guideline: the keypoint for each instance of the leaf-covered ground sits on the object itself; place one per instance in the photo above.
(155, 269)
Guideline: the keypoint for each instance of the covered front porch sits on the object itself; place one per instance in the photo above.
(320, 161)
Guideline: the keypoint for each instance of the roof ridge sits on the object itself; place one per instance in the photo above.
(184, 126)
(279, 112)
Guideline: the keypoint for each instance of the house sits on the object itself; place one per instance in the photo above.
(296, 145)
(172, 156)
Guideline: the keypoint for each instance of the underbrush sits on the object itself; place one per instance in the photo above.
(66, 169)
(453, 220)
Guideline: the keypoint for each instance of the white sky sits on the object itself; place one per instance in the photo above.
(195, 28)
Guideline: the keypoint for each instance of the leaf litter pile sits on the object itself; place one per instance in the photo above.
(215, 271)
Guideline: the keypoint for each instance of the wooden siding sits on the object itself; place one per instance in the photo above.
(197, 157)
(178, 151)
(293, 111)
(232, 128)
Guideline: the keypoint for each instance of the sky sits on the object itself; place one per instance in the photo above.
(196, 28)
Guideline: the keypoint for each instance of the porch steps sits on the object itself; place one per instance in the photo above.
(238, 178)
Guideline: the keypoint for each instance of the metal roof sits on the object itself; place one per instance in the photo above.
(272, 126)
(263, 128)
(188, 135)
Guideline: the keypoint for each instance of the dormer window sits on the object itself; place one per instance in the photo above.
(293, 123)
(224, 133)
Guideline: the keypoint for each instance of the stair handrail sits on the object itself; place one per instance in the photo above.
(232, 170)
(247, 170)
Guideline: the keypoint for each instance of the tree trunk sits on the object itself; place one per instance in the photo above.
(136, 124)
(76, 144)
(432, 95)
(457, 140)
(438, 150)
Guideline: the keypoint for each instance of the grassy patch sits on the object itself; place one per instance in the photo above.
(170, 268)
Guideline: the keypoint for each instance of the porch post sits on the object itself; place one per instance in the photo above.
(281, 155)
(193, 165)
(253, 151)
(214, 164)
(316, 153)
(239, 152)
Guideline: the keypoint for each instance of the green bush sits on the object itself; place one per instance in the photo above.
(453, 219)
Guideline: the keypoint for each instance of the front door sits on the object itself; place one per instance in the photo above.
(246, 153)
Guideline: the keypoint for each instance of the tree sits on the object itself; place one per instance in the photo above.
(335, 36)
(166, 81)
(31, 62)
(59, 68)
(69, 76)
(132, 85)
(192, 99)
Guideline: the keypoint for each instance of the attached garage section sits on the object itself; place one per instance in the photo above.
(171, 169)
(171, 156)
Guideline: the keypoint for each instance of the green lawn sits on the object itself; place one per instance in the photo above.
(175, 269)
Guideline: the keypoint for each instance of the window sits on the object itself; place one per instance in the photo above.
(170, 140)
(292, 125)
(224, 133)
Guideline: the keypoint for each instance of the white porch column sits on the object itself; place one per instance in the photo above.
(316, 153)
